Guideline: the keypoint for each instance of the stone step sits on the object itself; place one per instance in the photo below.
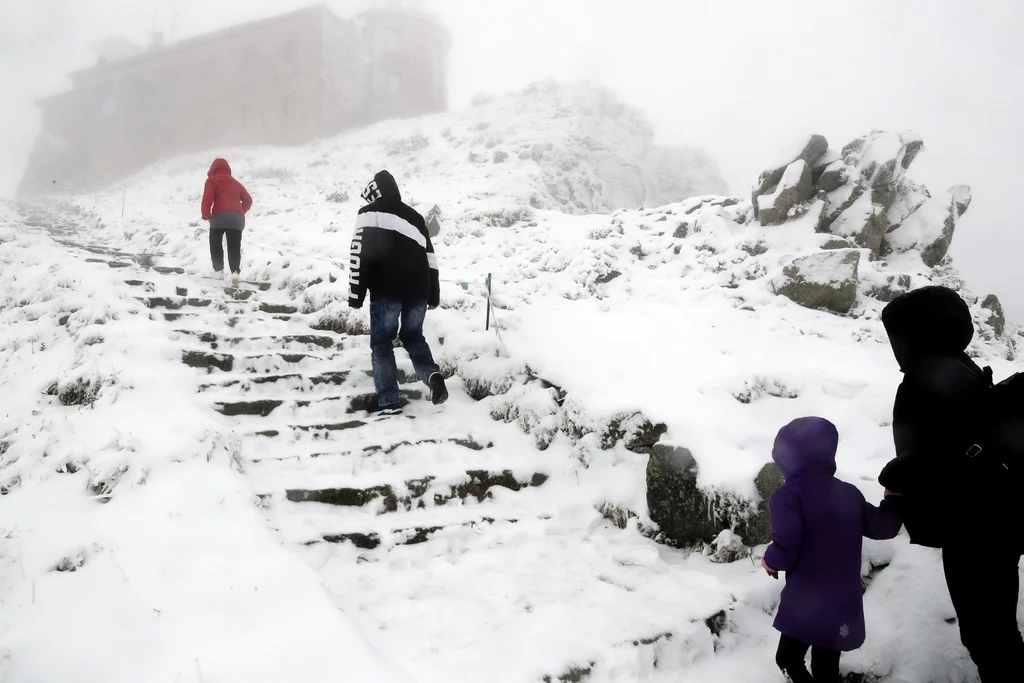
(420, 492)
(112, 264)
(269, 364)
(316, 461)
(403, 537)
(275, 384)
(247, 323)
(288, 363)
(314, 408)
(276, 341)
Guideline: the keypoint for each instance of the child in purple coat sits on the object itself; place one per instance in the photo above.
(818, 523)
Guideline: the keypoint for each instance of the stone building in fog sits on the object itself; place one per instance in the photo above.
(278, 81)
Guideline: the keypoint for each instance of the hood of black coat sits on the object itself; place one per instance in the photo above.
(931, 321)
(383, 186)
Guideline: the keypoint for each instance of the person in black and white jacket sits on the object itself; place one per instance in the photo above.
(393, 259)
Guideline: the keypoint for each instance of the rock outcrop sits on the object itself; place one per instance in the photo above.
(867, 197)
(861, 198)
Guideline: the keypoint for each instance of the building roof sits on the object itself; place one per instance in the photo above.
(195, 41)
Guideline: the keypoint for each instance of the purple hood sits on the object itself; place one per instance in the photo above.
(806, 447)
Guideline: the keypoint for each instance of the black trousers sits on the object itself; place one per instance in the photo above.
(234, 238)
(792, 659)
(984, 587)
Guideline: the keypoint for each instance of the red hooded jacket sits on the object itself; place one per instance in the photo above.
(222, 192)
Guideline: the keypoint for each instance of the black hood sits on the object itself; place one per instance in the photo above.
(931, 321)
(382, 186)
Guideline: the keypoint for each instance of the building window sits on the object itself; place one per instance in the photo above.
(393, 39)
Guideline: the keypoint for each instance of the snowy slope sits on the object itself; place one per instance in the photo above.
(665, 314)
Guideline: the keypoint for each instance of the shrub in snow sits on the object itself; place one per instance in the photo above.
(270, 171)
(728, 547)
(80, 392)
(338, 197)
(824, 281)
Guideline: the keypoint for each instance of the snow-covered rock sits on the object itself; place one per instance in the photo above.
(794, 188)
(827, 280)
(929, 229)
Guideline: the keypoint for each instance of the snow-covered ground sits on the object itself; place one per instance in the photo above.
(453, 544)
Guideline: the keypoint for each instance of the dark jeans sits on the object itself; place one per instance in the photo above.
(391, 317)
(227, 224)
(792, 656)
(984, 588)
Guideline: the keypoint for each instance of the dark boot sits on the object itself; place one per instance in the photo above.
(438, 391)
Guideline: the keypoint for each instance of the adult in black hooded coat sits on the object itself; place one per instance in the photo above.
(966, 506)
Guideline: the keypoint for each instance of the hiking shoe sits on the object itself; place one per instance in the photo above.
(438, 391)
(235, 277)
(389, 411)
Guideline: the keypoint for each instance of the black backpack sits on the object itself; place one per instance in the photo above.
(1001, 441)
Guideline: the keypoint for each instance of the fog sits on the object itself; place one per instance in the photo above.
(738, 78)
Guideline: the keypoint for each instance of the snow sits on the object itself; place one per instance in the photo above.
(198, 566)
(791, 152)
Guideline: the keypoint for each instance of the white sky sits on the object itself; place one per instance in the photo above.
(739, 77)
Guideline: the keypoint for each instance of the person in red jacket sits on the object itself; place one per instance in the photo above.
(225, 203)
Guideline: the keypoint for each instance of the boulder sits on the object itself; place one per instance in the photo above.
(808, 149)
(864, 222)
(826, 280)
(434, 221)
(832, 177)
(758, 528)
(914, 144)
(929, 230)
(996, 316)
(893, 287)
(794, 188)
(688, 515)
(910, 199)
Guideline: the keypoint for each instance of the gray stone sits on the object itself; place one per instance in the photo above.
(688, 515)
(996, 317)
(929, 230)
(837, 243)
(826, 280)
(433, 220)
(794, 188)
(914, 144)
(832, 177)
(894, 286)
(812, 150)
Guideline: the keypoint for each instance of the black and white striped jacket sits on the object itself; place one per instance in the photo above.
(391, 253)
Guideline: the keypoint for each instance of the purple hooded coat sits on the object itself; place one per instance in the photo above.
(818, 523)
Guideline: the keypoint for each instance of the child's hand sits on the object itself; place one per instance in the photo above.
(771, 572)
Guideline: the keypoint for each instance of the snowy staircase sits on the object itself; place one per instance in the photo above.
(301, 404)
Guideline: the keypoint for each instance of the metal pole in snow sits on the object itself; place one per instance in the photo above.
(488, 323)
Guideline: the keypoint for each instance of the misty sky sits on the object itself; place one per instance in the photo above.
(739, 78)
